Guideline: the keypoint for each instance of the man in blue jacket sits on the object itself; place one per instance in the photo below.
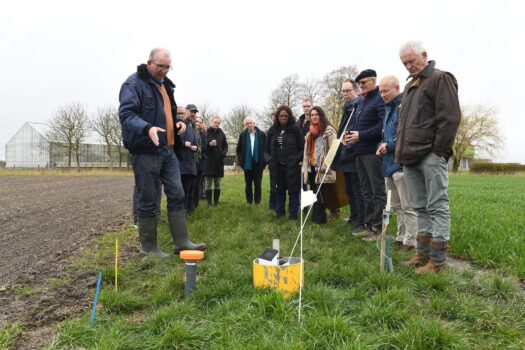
(392, 171)
(147, 114)
(364, 137)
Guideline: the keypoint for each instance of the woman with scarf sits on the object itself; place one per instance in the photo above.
(250, 155)
(318, 142)
(284, 153)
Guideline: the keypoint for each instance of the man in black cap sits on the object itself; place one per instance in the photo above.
(364, 135)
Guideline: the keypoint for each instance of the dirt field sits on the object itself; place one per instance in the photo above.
(43, 222)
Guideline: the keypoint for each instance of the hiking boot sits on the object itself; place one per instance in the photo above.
(407, 248)
(372, 238)
(423, 250)
(429, 267)
(360, 231)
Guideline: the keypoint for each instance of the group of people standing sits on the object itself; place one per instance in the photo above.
(391, 141)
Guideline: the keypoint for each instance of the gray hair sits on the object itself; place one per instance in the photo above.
(415, 45)
(156, 51)
(249, 118)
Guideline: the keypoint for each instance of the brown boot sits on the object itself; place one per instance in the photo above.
(429, 267)
(423, 250)
(416, 261)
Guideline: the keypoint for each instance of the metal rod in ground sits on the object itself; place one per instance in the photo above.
(387, 261)
(94, 310)
(191, 277)
(116, 264)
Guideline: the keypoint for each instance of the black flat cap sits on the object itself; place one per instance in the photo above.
(365, 74)
(192, 108)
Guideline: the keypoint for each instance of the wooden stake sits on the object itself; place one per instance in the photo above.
(386, 220)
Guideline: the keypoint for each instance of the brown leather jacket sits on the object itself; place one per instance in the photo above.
(429, 116)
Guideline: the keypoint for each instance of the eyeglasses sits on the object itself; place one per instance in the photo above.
(163, 67)
(181, 113)
(364, 81)
(346, 90)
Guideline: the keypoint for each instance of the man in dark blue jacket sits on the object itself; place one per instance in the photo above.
(392, 171)
(345, 160)
(364, 137)
(147, 114)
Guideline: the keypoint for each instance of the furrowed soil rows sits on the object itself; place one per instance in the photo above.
(43, 222)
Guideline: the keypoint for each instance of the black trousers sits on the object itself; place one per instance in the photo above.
(319, 207)
(253, 193)
(188, 184)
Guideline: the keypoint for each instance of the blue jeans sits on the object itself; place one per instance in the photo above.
(355, 198)
(149, 169)
(427, 184)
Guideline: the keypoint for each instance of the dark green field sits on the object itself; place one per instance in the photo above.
(347, 303)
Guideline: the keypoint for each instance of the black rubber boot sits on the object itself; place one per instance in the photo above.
(208, 198)
(216, 196)
(179, 233)
(148, 238)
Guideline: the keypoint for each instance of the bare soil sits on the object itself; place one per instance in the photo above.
(44, 222)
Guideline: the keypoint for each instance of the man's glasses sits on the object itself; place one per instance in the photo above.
(163, 67)
(345, 91)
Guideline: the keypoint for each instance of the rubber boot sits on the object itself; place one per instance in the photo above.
(438, 257)
(216, 196)
(179, 233)
(422, 250)
(208, 198)
(148, 238)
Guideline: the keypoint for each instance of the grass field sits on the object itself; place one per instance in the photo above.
(347, 303)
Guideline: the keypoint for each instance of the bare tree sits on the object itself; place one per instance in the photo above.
(206, 112)
(68, 129)
(333, 101)
(106, 123)
(288, 93)
(477, 131)
(312, 88)
(233, 124)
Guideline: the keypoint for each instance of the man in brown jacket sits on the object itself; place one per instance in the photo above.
(429, 117)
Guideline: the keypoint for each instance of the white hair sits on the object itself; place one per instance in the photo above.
(415, 45)
(249, 118)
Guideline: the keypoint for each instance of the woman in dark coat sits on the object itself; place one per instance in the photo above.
(215, 152)
(284, 153)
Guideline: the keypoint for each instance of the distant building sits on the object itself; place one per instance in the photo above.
(30, 148)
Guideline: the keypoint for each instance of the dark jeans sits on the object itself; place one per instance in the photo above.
(199, 187)
(149, 170)
(370, 171)
(355, 198)
(136, 200)
(188, 184)
(272, 199)
(282, 188)
(254, 177)
(319, 207)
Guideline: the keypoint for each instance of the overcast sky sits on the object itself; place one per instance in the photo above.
(230, 52)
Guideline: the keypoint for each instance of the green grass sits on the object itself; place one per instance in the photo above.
(8, 335)
(347, 303)
(488, 221)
